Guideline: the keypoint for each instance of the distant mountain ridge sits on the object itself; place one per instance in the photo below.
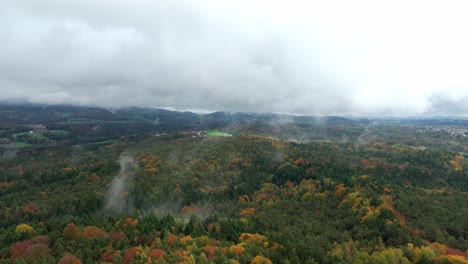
(27, 113)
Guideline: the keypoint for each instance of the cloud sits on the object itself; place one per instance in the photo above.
(444, 105)
(359, 58)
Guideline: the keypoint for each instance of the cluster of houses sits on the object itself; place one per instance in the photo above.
(201, 133)
(455, 131)
(38, 128)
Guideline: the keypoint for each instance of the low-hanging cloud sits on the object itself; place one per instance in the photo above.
(210, 55)
(117, 199)
(444, 105)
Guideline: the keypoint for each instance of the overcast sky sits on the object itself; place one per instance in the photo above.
(380, 58)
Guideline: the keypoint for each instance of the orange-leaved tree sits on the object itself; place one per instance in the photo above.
(261, 260)
(69, 259)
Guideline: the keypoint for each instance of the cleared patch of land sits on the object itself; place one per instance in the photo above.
(35, 135)
(59, 132)
(20, 134)
(218, 133)
(22, 144)
(110, 141)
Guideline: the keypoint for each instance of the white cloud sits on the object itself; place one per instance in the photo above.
(321, 57)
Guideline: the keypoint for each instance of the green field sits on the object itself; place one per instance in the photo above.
(34, 135)
(110, 141)
(76, 121)
(59, 132)
(121, 122)
(217, 133)
(22, 144)
(20, 134)
(39, 136)
(64, 115)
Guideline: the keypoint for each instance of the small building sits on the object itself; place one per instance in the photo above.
(39, 128)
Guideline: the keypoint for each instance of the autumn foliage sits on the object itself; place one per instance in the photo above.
(252, 238)
(150, 163)
(30, 208)
(93, 232)
(210, 251)
(261, 260)
(247, 212)
(245, 199)
(69, 259)
(19, 249)
(157, 253)
(108, 255)
(189, 210)
(130, 222)
(237, 249)
(71, 231)
(172, 239)
(23, 228)
(37, 246)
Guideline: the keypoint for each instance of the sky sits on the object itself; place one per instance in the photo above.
(363, 58)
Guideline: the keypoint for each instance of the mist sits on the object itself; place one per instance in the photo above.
(9, 153)
(117, 199)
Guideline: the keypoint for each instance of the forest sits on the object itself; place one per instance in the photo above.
(158, 186)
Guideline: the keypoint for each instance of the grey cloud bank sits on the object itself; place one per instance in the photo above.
(215, 55)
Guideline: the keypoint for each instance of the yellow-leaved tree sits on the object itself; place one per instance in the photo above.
(23, 228)
(261, 260)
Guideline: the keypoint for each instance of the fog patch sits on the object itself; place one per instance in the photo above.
(156, 122)
(9, 154)
(76, 155)
(367, 136)
(184, 213)
(117, 199)
(345, 139)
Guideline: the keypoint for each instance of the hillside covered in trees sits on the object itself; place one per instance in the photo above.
(156, 186)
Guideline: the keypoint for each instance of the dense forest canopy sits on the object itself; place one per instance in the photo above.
(137, 185)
